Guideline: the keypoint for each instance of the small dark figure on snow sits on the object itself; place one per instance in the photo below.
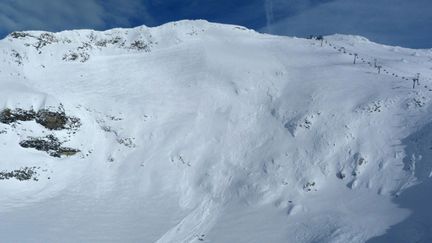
(416, 80)
(355, 57)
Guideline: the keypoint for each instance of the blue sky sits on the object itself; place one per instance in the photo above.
(395, 22)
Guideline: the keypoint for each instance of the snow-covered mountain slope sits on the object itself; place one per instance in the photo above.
(200, 132)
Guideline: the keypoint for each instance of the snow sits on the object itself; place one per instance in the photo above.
(201, 132)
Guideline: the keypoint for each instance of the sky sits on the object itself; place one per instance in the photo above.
(405, 23)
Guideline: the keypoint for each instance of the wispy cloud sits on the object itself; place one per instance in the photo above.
(268, 5)
(396, 22)
(65, 14)
(46, 14)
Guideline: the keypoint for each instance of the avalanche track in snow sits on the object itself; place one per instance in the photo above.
(202, 132)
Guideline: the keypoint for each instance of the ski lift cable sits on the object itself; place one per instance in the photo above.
(370, 59)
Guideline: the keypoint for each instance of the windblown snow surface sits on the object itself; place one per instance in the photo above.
(201, 132)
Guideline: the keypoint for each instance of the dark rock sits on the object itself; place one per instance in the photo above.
(52, 120)
(340, 175)
(49, 144)
(44, 39)
(8, 116)
(139, 45)
(73, 56)
(22, 174)
(70, 57)
(308, 186)
(17, 34)
(64, 151)
(46, 144)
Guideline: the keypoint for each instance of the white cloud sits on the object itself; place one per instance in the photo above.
(66, 14)
(268, 5)
(396, 22)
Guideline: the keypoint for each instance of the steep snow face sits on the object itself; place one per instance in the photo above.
(194, 131)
